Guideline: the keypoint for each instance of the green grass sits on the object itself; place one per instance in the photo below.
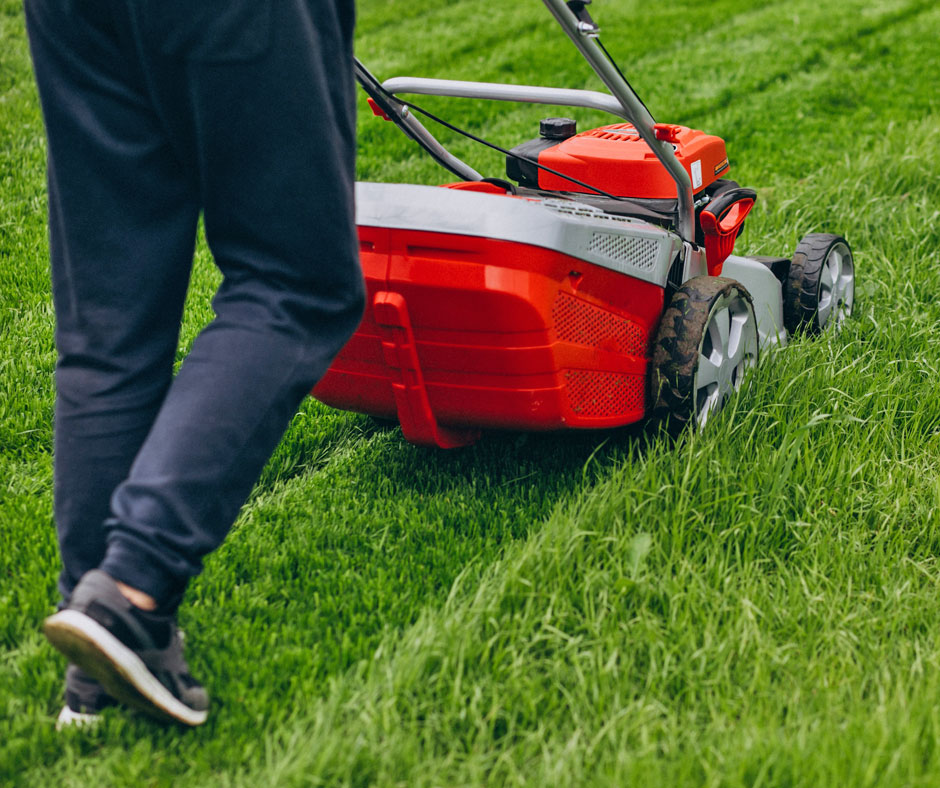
(754, 605)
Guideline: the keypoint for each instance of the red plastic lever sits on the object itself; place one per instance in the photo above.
(721, 231)
(667, 132)
(377, 110)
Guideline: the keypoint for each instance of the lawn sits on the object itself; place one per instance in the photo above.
(757, 604)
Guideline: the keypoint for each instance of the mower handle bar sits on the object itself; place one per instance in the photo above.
(562, 97)
(624, 103)
(583, 35)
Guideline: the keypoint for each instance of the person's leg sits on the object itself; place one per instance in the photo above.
(270, 122)
(122, 218)
(265, 121)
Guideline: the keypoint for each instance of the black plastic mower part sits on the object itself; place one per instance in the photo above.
(658, 212)
(716, 198)
(557, 128)
(578, 8)
(725, 198)
(521, 165)
(674, 278)
(507, 186)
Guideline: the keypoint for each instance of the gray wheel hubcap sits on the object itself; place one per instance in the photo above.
(836, 287)
(729, 347)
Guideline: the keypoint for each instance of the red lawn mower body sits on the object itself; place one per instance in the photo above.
(475, 330)
(603, 281)
(465, 333)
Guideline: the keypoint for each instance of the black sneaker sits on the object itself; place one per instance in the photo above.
(136, 655)
(85, 699)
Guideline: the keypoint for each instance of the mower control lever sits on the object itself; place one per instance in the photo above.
(586, 25)
(719, 206)
(722, 220)
(579, 9)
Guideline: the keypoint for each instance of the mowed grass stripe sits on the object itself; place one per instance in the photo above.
(721, 58)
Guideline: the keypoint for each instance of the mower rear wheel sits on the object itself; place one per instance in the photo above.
(820, 289)
(706, 341)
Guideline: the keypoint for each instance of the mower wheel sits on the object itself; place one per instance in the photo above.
(706, 341)
(820, 289)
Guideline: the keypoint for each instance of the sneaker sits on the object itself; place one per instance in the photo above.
(69, 718)
(135, 654)
(84, 700)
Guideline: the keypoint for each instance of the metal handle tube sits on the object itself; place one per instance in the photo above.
(635, 112)
(587, 99)
(411, 126)
(429, 141)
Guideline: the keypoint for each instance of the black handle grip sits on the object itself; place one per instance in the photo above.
(725, 199)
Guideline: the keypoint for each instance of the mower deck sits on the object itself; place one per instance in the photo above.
(486, 311)
(491, 311)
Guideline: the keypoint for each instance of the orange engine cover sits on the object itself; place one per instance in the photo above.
(616, 159)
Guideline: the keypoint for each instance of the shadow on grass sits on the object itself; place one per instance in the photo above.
(515, 457)
(555, 461)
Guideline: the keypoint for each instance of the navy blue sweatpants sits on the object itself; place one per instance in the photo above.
(157, 111)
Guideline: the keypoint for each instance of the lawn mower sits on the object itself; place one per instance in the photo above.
(591, 287)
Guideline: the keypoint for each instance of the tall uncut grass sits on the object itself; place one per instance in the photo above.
(753, 605)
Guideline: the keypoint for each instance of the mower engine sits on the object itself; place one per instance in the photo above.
(618, 160)
(615, 158)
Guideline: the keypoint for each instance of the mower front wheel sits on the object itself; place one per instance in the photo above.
(820, 289)
(706, 341)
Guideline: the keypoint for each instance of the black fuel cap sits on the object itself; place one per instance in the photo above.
(557, 128)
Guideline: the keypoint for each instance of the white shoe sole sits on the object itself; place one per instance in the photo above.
(121, 672)
(76, 719)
